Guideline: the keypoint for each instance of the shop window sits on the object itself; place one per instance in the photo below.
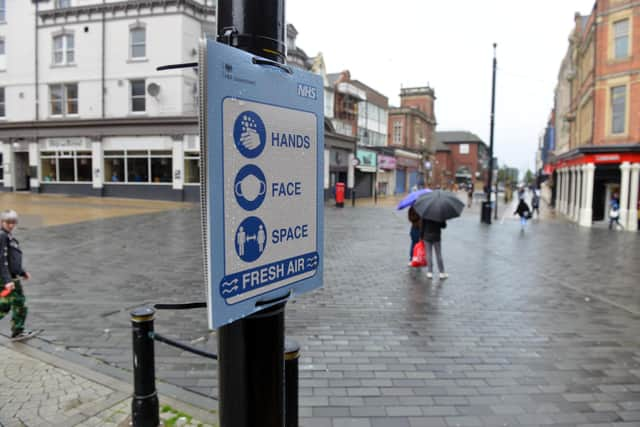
(618, 109)
(191, 168)
(84, 167)
(114, 166)
(66, 166)
(137, 169)
(138, 98)
(161, 167)
(138, 166)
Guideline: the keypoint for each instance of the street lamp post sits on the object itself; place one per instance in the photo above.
(493, 111)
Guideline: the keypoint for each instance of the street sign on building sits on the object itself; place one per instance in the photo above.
(263, 182)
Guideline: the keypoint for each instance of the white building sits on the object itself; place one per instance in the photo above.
(83, 109)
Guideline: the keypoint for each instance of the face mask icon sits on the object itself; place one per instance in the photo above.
(250, 188)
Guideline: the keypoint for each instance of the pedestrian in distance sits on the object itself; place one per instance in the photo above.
(535, 204)
(12, 273)
(469, 195)
(432, 236)
(416, 230)
(614, 212)
(524, 212)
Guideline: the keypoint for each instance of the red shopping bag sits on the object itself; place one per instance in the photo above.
(419, 255)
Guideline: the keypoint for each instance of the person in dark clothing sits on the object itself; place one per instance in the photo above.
(524, 212)
(614, 212)
(535, 204)
(431, 234)
(416, 224)
(11, 272)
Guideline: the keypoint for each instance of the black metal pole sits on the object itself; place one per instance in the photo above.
(493, 113)
(353, 198)
(291, 360)
(145, 410)
(250, 350)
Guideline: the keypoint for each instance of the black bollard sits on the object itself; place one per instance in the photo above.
(145, 410)
(353, 198)
(291, 360)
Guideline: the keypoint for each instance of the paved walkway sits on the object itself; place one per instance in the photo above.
(533, 328)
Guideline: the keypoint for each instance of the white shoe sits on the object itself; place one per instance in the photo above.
(444, 276)
(429, 275)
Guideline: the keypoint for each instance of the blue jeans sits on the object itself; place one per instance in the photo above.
(523, 221)
(415, 238)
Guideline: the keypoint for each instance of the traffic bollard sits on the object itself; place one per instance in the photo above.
(145, 409)
(291, 360)
(353, 198)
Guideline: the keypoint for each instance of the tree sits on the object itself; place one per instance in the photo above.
(528, 177)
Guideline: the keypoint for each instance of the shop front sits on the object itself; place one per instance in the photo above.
(408, 175)
(587, 179)
(339, 152)
(386, 175)
(365, 174)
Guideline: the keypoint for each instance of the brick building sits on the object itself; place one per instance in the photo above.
(461, 157)
(411, 129)
(602, 154)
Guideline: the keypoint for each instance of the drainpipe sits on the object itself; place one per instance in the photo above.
(103, 56)
(36, 63)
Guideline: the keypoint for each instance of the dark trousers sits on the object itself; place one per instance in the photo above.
(415, 238)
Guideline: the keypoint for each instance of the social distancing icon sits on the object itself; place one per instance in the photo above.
(250, 187)
(251, 239)
(249, 134)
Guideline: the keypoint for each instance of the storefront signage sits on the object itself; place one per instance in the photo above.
(367, 158)
(386, 162)
(407, 163)
(264, 184)
(68, 144)
(603, 158)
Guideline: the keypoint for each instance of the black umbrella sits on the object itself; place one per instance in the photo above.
(438, 206)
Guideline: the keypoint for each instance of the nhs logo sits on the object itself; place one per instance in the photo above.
(307, 91)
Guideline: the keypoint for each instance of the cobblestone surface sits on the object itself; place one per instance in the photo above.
(33, 393)
(533, 328)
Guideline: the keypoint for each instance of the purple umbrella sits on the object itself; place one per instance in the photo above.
(411, 198)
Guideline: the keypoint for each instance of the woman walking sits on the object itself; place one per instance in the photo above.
(431, 234)
(524, 212)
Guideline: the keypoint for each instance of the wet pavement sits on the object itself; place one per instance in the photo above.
(533, 328)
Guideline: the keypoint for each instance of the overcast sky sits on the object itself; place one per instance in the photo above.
(448, 45)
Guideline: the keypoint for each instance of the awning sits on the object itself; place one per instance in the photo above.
(367, 169)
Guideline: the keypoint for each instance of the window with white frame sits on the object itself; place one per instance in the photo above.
(397, 132)
(138, 42)
(618, 109)
(63, 99)
(63, 49)
(138, 166)
(464, 148)
(3, 11)
(63, 3)
(138, 96)
(191, 168)
(66, 166)
(621, 39)
(2, 104)
(3, 58)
